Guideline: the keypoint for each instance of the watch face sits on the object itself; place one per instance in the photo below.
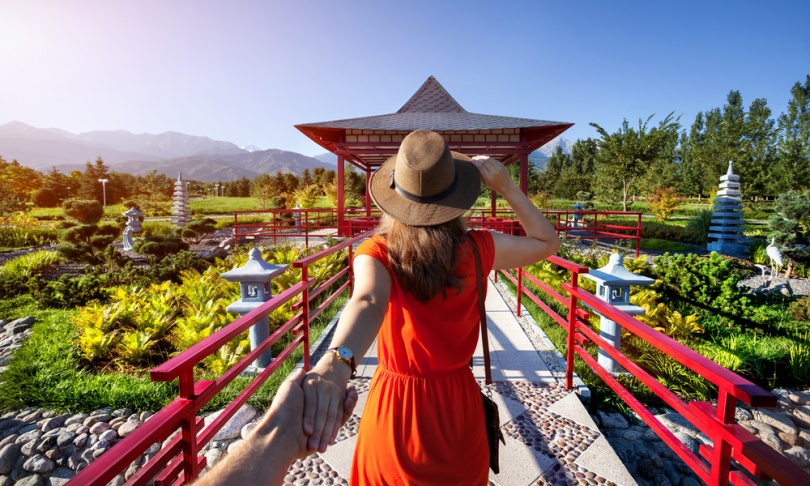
(344, 353)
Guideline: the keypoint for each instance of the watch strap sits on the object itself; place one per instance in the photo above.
(351, 362)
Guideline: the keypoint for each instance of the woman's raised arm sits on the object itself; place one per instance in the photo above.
(541, 239)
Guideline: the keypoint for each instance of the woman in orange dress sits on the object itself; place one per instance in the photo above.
(415, 291)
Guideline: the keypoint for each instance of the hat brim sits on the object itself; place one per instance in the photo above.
(426, 214)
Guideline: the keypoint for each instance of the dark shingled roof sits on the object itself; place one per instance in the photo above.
(431, 107)
(431, 97)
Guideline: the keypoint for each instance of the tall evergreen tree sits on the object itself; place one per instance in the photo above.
(792, 169)
(695, 161)
(90, 187)
(554, 167)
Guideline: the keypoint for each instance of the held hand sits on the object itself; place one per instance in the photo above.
(493, 173)
(325, 404)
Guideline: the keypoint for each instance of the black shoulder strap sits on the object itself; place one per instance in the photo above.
(479, 283)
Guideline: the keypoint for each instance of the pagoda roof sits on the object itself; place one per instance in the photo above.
(369, 141)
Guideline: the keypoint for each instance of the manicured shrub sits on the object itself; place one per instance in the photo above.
(197, 229)
(160, 246)
(85, 212)
(45, 198)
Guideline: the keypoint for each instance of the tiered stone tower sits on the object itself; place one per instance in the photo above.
(181, 212)
(727, 218)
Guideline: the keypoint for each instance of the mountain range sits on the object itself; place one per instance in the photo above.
(198, 158)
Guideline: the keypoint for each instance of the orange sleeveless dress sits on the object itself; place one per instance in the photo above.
(423, 422)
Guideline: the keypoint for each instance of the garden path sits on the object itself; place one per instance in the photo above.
(550, 438)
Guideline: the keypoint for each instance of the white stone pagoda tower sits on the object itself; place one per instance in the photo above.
(181, 211)
(727, 229)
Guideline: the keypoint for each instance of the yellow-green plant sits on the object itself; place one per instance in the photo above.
(228, 355)
(306, 197)
(25, 266)
(330, 190)
(661, 318)
(664, 202)
(677, 378)
(798, 350)
(145, 325)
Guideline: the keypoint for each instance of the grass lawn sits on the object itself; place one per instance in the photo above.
(655, 244)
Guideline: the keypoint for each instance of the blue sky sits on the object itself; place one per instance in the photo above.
(247, 71)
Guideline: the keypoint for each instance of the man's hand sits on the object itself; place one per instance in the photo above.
(286, 413)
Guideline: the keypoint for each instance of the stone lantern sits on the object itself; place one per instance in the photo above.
(133, 226)
(613, 283)
(134, 219)
(577, 216)
(255, 284)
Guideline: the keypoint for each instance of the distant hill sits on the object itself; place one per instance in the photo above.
(213, 168)
(539, 157)
(328, 158)
(199, 158)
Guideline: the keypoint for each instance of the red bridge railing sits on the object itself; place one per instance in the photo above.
(314, 223)
(736, 455)
(179, 462)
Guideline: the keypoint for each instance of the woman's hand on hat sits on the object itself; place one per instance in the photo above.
(493, 173)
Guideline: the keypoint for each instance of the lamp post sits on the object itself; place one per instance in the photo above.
(104, 182)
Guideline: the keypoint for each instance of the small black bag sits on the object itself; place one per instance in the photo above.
(492, 419)
(494, 434)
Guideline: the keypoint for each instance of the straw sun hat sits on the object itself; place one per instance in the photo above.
(425, 183)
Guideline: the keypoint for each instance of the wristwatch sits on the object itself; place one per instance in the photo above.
(345, 354)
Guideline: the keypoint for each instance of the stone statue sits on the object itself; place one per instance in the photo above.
(128, 242)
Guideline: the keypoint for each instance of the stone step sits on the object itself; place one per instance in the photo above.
(727, 199)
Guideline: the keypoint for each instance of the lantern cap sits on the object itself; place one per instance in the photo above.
(132, 212)
(255, 270)
(614, 274)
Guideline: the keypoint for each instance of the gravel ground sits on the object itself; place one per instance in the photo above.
(789, 287)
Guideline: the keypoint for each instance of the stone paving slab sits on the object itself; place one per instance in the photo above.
(551, 439)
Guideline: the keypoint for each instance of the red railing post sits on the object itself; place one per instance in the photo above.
(305, 316)
(188, 428)
(519, 287)
(721, 459)
(638, 236)
(572, 328)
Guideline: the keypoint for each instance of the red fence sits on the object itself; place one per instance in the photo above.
(179, 461)
(713, 464)
(316, 223)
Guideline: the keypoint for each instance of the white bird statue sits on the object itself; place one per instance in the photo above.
(775, 255)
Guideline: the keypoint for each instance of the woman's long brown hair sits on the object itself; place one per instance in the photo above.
(423, 258)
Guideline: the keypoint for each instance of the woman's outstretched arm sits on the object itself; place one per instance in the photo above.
(360, 320)
(541, 239)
